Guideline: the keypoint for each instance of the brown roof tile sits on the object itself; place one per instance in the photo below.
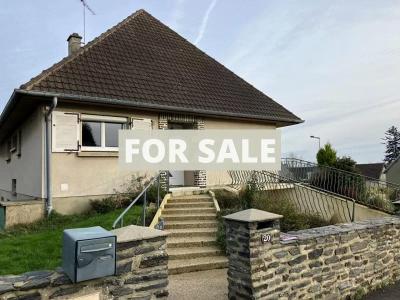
(371, 170)
(142, 60)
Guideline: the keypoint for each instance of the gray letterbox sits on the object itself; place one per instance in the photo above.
(89, 253)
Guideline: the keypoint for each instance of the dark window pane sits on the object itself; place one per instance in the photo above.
(112, 134)
(91, 134)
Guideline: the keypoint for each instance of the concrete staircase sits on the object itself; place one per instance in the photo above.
(192, 226)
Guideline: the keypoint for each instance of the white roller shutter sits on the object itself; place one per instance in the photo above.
(65, 131)
(141, 123)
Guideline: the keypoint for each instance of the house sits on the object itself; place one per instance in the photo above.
(392, 171)
(59, 130)
(374, 171)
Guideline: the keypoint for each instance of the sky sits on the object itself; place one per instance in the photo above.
(335, 64)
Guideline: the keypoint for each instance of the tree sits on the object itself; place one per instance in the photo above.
(326, 156)
(346, 163)
(392, 142)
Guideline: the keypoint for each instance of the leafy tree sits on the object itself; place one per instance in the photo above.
(392, 142)
(346, 163)
(326, 156)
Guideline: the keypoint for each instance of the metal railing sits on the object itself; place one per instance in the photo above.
(365, 190)
(278, 188)
(143, 195)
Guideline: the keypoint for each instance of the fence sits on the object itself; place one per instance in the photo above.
(366, 190)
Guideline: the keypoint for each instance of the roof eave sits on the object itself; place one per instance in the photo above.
(158, 107)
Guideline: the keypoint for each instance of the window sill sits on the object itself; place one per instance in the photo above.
(98, 154)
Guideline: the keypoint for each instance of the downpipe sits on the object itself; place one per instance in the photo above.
(48, 118)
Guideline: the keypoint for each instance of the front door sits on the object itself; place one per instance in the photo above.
(178, 177)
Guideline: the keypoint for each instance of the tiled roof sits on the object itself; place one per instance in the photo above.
(371, 170)
(142, 60)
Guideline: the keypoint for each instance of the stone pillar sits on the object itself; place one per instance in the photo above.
(249, 236)
(200, 176)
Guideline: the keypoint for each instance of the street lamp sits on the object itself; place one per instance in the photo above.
(317, 138)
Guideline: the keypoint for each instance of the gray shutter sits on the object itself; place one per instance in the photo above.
(65, 131)
(141, 123)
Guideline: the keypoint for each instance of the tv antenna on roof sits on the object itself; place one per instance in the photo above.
(85, 6)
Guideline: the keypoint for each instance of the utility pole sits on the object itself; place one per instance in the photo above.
(317, 138)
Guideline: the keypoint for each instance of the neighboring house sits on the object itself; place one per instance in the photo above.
(138, 74)
(392, 171)
(374, 171)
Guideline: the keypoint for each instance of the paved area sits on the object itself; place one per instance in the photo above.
(199, 285)
(214, 285)
(390, 293)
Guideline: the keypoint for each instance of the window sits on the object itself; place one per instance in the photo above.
(111, 133)
(19, 144)
(14, 187)
(14, 142)
(8, 150)
(91, 134)
(100, 133)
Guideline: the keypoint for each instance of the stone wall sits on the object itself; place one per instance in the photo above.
(142, 273)
(332, 262)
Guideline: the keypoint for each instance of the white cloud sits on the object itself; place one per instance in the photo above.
(204, 22)
(334, 64)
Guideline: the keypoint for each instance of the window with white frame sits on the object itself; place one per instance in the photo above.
(100, 133)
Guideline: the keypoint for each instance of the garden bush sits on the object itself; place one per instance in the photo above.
(292, 219)
(122, 199)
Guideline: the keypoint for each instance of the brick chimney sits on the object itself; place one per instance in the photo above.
(74, 43)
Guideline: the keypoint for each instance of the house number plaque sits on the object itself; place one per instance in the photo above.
(266, 238)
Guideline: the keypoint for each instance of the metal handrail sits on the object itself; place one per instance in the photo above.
(313, 164)
(143, 193)
(313, 197)
(305, 199)
(363, 189)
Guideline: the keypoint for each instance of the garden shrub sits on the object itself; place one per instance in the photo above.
(102, 206)
(150, 213)
(122, 199)
(292, 219)
(227, 199)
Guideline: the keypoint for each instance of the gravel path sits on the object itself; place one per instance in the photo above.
(199, 285)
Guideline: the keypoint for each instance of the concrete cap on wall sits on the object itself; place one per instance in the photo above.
(252, 215)
(137, 233)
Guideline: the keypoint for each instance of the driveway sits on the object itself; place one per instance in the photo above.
(199, 285)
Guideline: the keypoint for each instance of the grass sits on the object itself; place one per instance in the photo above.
(38, 246)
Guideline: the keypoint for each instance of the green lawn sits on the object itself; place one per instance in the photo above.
(38, 246)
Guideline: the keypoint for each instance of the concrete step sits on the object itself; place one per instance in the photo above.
(186, 211)
(187, 191)
(176, 201)
(190, 224)
(187, 242)
(188, 217)
(197, 264)
(200, 196)
(189, 204)
(190, 199)
(194, 252)
(192, 232)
